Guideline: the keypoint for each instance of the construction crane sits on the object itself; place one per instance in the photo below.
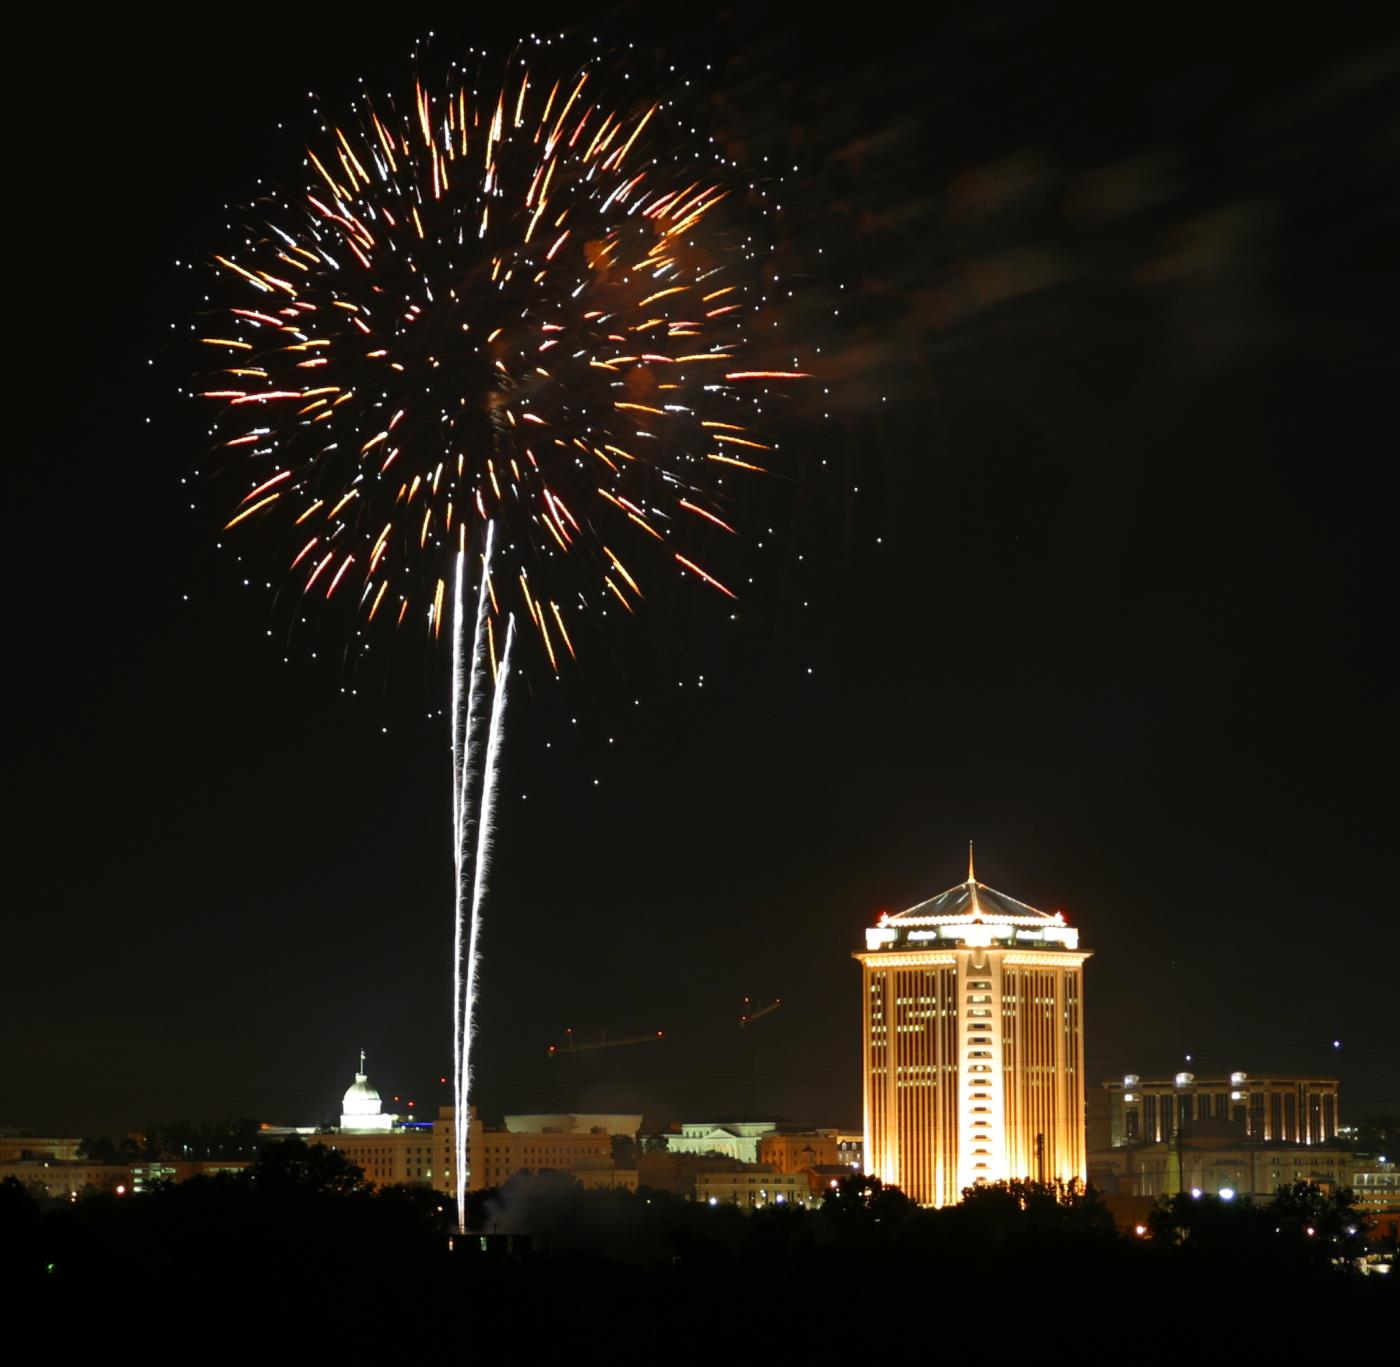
(571, 1044)
(755, 1010)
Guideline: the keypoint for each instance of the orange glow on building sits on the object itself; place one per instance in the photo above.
(973, 1053)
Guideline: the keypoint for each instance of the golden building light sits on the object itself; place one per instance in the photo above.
(973, 1052)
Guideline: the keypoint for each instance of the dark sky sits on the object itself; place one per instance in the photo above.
(1095, 543)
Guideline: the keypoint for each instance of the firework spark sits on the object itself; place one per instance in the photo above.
(535, 306)
(531, 311)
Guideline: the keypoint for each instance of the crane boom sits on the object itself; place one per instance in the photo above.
(570, 1044)
(754, 1010)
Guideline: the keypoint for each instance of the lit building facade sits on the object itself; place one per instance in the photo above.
(17, 1148)
(973, 1056)
(1217, 1163)
(1273, 1110)
(797, 1151)
(737, 1139)
(753, 1189)
(389, 1149)
(388, 1158)
(580, 1145)
(1377, 1192)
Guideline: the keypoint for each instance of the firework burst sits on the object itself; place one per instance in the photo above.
(518, 299)
(518, 321)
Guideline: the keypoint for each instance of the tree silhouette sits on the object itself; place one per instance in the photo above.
(293, 1165)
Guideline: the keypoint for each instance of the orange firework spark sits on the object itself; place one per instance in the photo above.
(477, 306)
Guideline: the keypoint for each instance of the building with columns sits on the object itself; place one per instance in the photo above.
(1276, 1108)
(973, 1058)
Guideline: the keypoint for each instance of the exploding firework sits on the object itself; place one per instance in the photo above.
(522, 322)
(535, 306)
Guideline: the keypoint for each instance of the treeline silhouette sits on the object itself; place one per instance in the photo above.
(298, 1253)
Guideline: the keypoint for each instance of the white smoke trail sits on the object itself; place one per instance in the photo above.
(463, 780)
(485, 829)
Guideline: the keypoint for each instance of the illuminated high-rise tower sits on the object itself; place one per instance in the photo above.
(974, 1044)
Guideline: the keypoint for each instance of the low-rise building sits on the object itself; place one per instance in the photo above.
(1216, 1163)
(148, 1172)
(662, 1170)
(576, 1143)
(752, 1188)
(1376, 1190)
(798, 1150)
(850, 1149)
(58, 1180)
(1275, 1109)
(737, 1139)
(825, 1177)
(15, 1148)
(575, 1122)
(399, 1157)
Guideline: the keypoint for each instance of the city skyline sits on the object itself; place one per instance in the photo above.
(1098, 586)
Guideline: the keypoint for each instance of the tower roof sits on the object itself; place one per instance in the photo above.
(973, 901)
(971, 913)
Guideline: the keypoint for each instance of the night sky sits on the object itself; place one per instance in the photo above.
(1094, 543)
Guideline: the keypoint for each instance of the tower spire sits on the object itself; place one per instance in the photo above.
(362, 1060)
(971, 872)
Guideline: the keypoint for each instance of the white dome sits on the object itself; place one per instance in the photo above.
(360, 1098)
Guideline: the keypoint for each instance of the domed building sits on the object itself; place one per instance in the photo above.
(361, 1111)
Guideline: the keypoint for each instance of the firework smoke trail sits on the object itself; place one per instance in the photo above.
(463, 781)
(485, 830)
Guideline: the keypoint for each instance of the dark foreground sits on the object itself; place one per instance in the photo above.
(297, 1257)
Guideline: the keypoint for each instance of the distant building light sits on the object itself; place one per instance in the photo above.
(1185, 1079)
(1238, 1079)
(1227, 1193)
(714, 1200)
(1139, 1230)
(1129, 1096)
(1196, 1193)
(1130, 1080)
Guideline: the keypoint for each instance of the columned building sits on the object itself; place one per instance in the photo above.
(974, 1044)
(1286, 1109)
